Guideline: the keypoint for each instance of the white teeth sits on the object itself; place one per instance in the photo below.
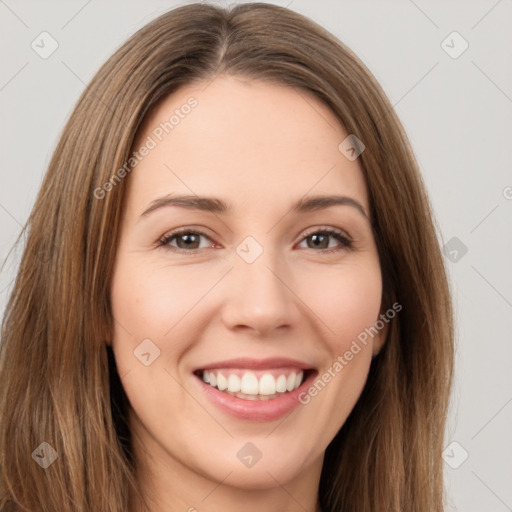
(267, 385)
(249, 387)
(249, 384)
(234, 384)
(222, 382)
(290, 382)
(298, 380)
(281, 384)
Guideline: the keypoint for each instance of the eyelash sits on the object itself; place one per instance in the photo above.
(346, 243)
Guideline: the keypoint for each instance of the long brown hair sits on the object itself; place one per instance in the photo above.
(59, 381)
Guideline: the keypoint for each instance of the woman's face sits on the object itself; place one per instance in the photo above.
(254, 293)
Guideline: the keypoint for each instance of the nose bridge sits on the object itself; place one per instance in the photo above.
(260, 298)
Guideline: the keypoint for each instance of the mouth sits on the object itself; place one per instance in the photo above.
(255, 390)
(248, 384)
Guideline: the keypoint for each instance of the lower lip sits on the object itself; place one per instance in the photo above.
(256, 410)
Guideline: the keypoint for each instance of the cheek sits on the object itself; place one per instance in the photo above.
(149, 300)
(347, 299)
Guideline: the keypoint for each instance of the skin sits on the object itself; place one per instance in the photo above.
(259, 147)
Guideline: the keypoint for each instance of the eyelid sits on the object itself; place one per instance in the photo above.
(328, 229)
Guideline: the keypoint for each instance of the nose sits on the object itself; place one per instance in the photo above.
(260, 298)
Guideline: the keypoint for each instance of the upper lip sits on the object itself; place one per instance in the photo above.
(256, 364)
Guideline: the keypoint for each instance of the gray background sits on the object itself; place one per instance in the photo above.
(456, 111)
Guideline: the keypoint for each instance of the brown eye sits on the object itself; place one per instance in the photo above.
(184, 240)
(319, 241)
(188, 241)
(322, 240)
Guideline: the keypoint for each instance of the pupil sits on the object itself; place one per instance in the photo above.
(187, 239)
(316, 238)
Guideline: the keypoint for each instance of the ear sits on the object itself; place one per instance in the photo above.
(382, 323)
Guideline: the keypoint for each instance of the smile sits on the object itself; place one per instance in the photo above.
(255, 390)
(255, 385)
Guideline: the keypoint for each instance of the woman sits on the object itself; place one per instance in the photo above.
(232, 292)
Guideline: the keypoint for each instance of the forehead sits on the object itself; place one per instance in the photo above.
(246, 140)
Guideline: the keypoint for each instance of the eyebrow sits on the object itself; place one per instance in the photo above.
(215, 205)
